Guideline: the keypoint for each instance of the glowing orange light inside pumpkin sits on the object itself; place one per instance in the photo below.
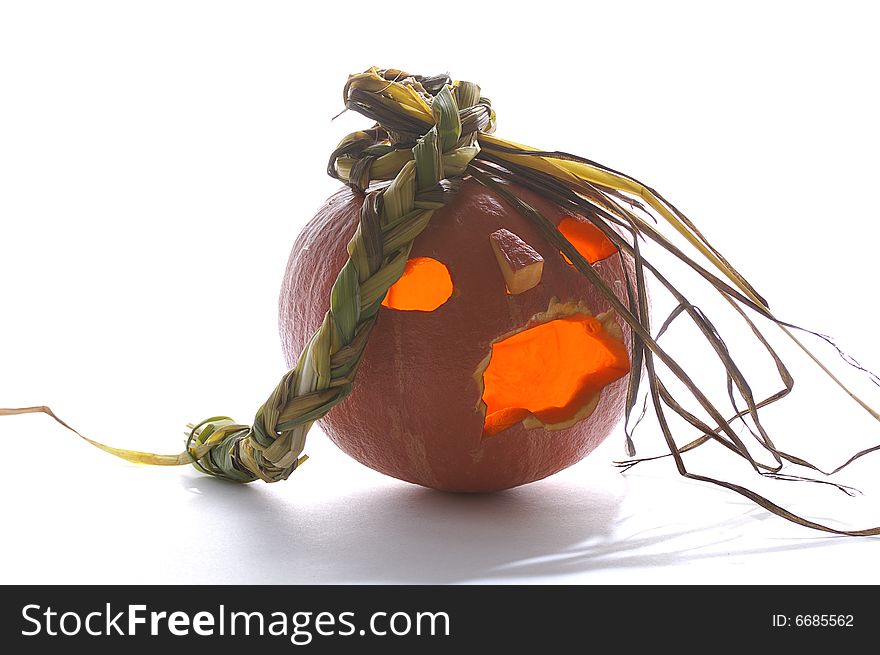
(551, 370)
(424, 286)
(587, 239)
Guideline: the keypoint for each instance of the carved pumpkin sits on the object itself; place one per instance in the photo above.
(493, 362)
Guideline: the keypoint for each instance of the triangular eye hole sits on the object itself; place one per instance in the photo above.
(587, 239)
(424, 286)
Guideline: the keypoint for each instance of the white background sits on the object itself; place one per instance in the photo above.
(158, 159)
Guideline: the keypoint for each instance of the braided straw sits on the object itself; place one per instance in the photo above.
(424, 164)
(408, 165)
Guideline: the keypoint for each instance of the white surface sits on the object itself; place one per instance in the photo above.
(158, 159)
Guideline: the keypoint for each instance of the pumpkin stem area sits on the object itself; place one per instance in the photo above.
(424, 286)
(551, 374)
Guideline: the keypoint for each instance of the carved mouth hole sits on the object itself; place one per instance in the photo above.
(551, 374)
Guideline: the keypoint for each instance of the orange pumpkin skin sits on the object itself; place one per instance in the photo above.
(413, 411)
